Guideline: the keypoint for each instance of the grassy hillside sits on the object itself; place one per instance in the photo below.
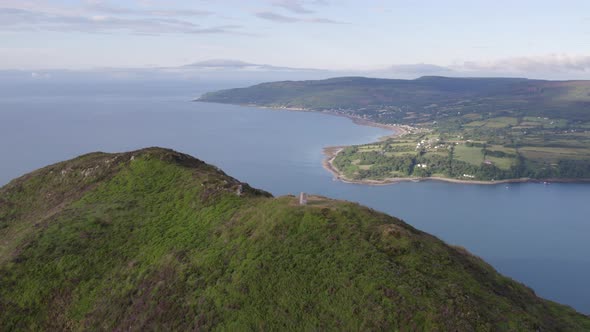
(422, 100)
(155, 239)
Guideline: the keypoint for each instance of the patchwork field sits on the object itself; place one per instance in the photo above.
(483, 149)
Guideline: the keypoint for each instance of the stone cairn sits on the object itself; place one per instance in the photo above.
(303, 199)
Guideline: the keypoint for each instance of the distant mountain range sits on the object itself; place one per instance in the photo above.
(237, 70)
(224, 64)
(211, 70)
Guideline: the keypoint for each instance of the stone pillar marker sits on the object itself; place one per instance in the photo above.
(303, 199)
(239, 190)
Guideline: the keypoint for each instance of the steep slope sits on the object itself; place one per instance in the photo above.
(157, 239)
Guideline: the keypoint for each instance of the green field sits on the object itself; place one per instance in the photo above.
(490, 149)
(470, 155)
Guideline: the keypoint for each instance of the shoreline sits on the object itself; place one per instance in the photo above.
(398, 130)
(330, 153)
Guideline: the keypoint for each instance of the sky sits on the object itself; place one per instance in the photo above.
(476, 35)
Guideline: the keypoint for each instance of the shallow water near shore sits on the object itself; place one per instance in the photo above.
(535, 233)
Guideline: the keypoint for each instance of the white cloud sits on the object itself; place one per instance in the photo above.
(99, 6)
(16, 19)
(38, 76)
(294, 6)
(527, 64)
(272, 16)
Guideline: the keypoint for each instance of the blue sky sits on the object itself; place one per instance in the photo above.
(474, 35)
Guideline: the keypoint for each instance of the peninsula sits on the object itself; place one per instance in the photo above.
(469, 130)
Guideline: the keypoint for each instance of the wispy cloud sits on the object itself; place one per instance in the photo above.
(294, 6)
(298, 6)
(270, 16)
(275, 17)
(101, 7)
(14, 19)
(544, 63)
(421, 68)
(241, 66)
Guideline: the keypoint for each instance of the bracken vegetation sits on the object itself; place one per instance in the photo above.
(158, 240)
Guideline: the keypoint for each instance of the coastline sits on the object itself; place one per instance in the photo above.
(398, 130)
(330, 153)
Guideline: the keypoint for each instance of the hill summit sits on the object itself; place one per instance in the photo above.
(156, 239)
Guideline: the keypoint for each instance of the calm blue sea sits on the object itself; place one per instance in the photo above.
(537, 234)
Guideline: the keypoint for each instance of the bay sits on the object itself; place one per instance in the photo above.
(537, 234)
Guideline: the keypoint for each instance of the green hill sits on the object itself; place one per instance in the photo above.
(421, 100)
(155, 239)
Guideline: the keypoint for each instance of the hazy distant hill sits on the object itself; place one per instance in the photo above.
(155, 239)
(430, 97)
